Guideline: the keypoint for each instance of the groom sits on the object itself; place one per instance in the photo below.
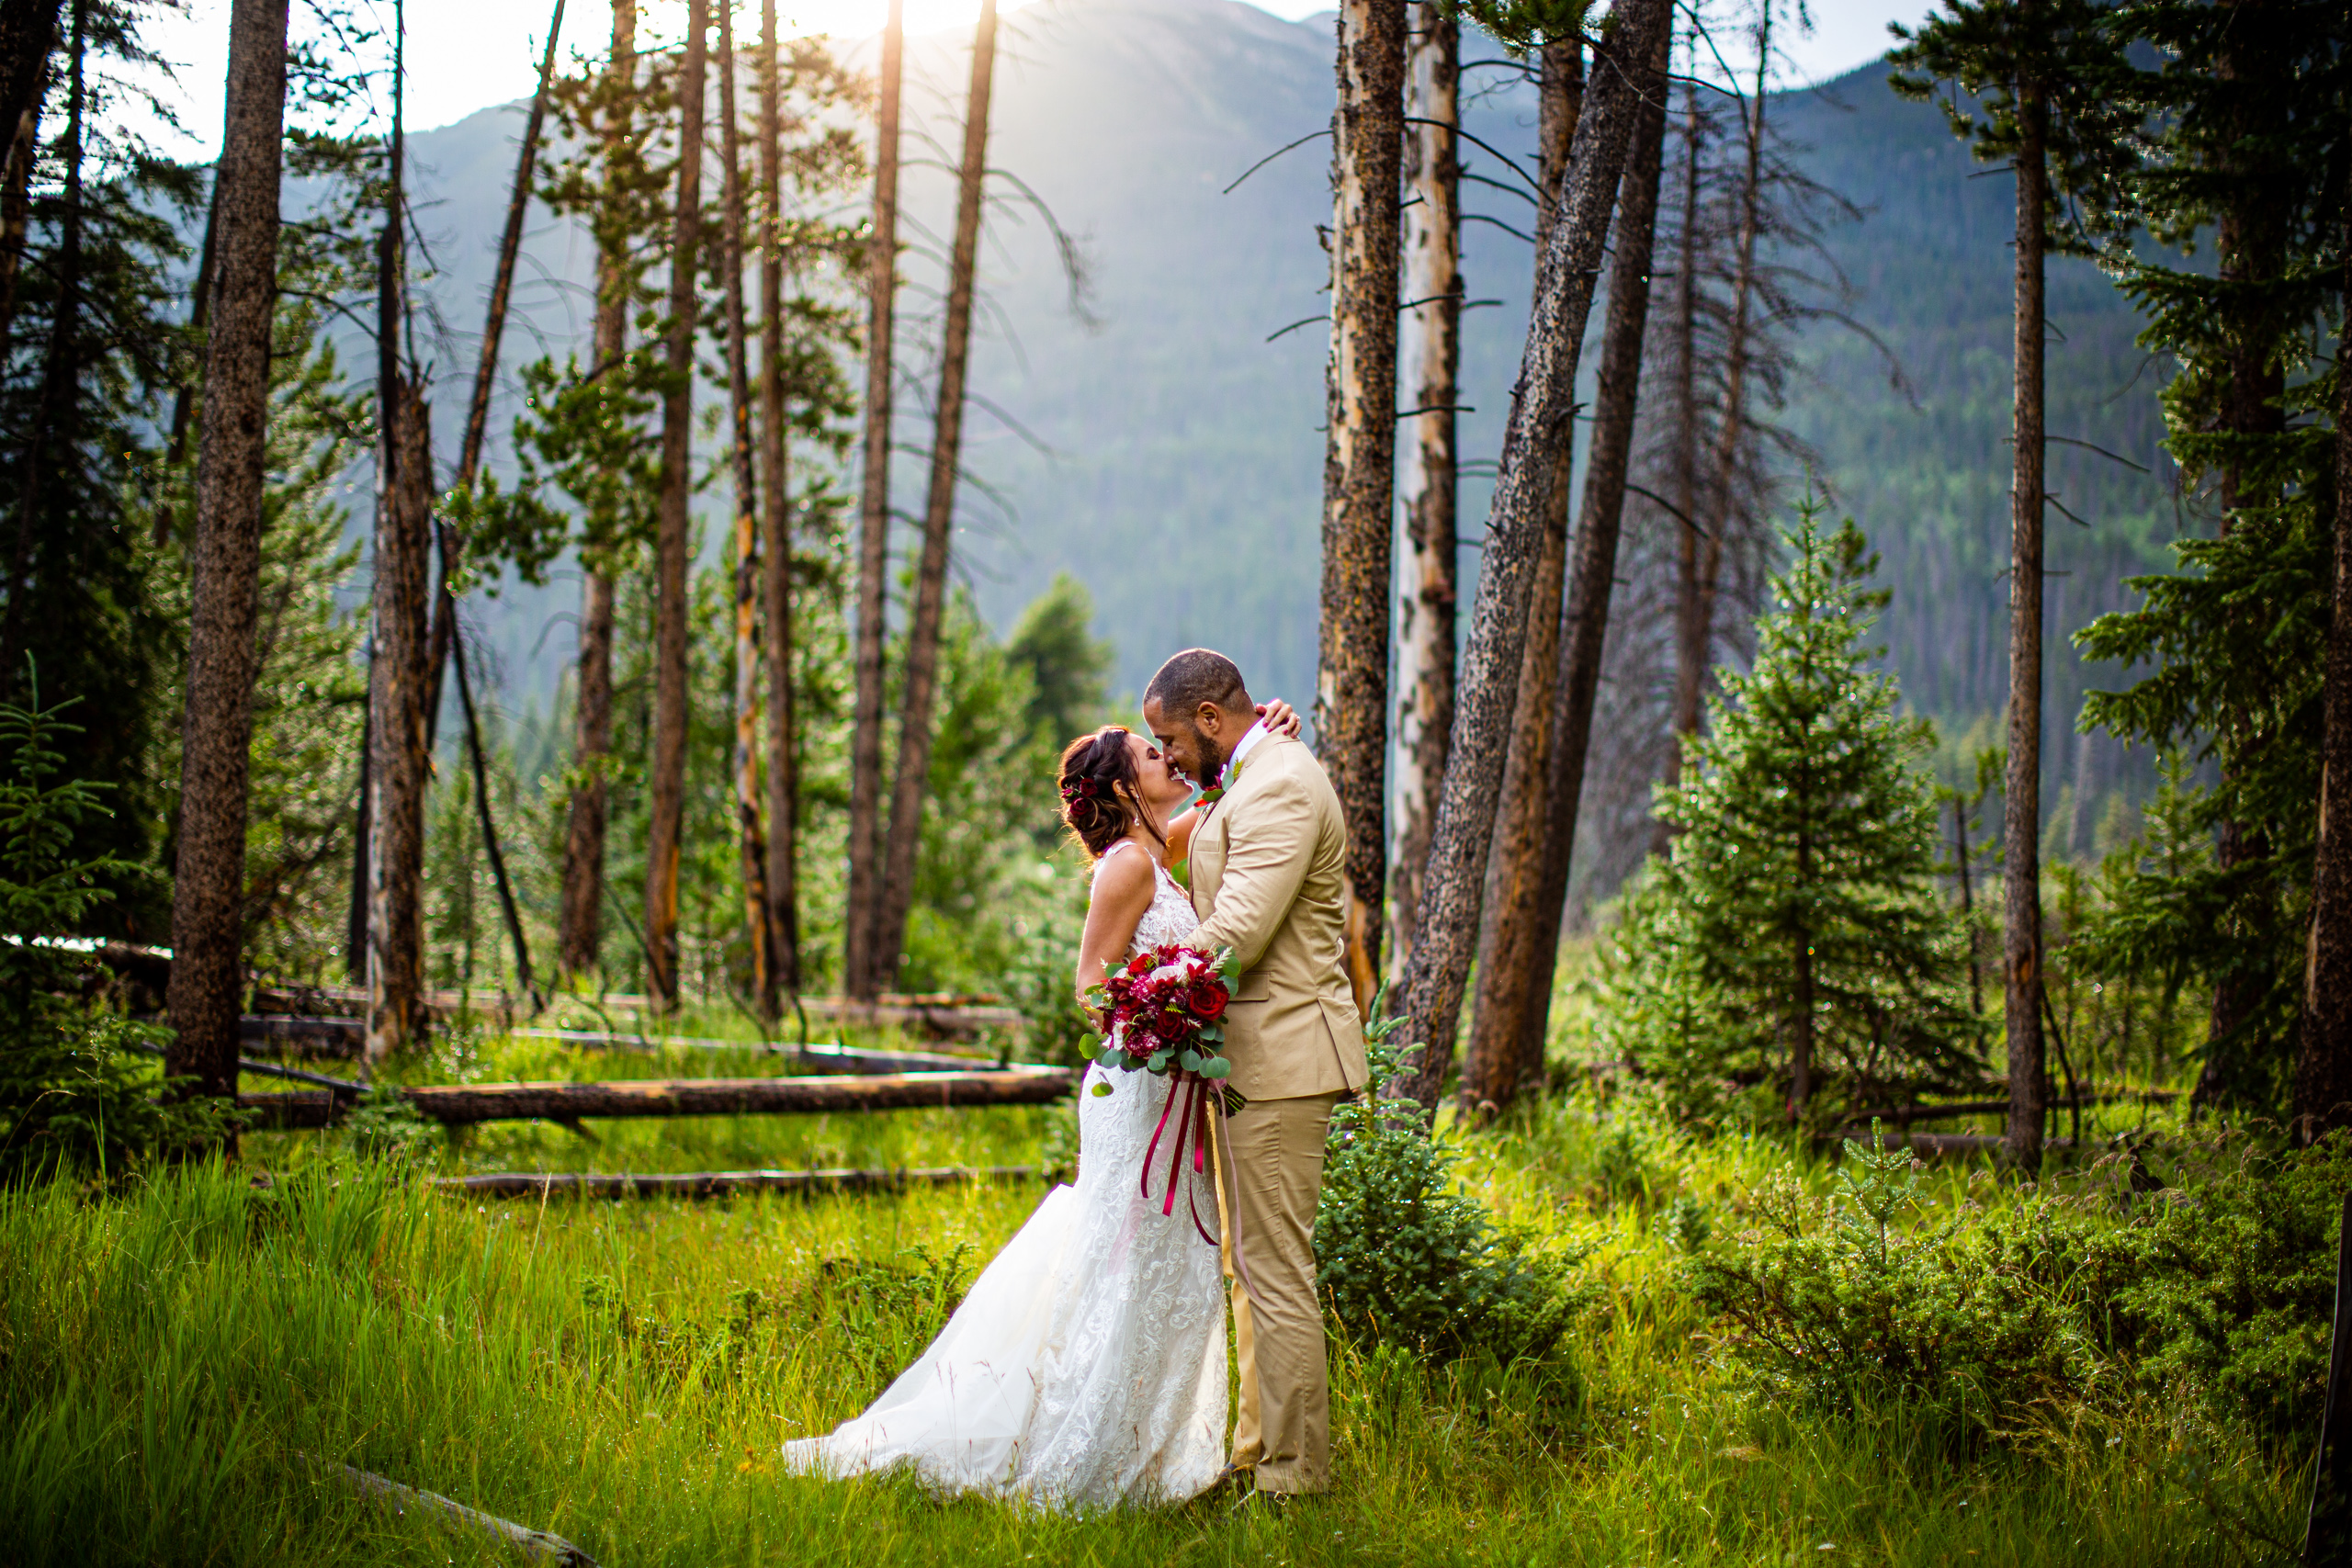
(1266, 878)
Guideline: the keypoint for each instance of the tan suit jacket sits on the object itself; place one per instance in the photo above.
(1267, 873)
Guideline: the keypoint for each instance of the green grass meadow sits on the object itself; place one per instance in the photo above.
(185, 1360)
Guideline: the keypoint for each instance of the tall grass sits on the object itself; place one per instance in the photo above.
(183, 1364)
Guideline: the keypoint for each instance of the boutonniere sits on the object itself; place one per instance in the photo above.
(1210, 797)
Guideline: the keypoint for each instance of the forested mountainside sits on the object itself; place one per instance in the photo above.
(1158, 446)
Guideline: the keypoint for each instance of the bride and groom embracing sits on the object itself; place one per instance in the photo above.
(1086, 1367)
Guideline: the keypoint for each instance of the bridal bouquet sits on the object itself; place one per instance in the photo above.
(1164, 1009)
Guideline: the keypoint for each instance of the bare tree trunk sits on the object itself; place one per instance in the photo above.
(919, 692)
(2250, 245)
(1695, 607)
(396, 764)
(2021, 806)
(1428, 356)
(748, 669)
(582, 917)
(216, 734)
(16, 210)
(1967, 901)
(1515, 867)
(1543, 405)
(1592, 564)
(2324, 1060)
(57, 427)
(1685, 449)
(784, 770)
(863, 917)
(27, 34)
(1360, 459)
(672, 556)
(1801, 1030)
(397, 771)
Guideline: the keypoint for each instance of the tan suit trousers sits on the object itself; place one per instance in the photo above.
(1282, 1432)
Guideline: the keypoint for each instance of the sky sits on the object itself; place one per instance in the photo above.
(466, 54)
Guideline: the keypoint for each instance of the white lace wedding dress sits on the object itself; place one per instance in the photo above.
(1085, 1368)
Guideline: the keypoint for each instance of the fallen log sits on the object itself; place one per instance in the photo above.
(538, 1545)
(463, 1104)
(720, 1183)
(841, 1058)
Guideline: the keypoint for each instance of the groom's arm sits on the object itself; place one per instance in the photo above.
(1266, 855)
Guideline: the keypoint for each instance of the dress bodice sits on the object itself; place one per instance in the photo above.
(1171, 916)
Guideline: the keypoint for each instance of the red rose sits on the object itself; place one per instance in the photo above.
(1208, 1002)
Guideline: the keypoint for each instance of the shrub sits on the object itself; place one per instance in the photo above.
(2213, 1295)
(1404, 1260)
(76, 1092)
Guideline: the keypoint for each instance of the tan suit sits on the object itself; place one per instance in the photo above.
(1267, 882)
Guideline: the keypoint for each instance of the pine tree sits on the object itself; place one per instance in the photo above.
(2247, 115)
(2035, 71)
(1793, 933)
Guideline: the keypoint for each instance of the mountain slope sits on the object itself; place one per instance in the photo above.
(1182, 471)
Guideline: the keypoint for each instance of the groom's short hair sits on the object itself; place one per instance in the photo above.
(1195, 676)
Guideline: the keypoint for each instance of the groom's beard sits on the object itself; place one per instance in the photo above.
(1212, 760)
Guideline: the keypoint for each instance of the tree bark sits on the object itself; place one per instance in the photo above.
(783, 758)
(2324, 1065)
(743, 454)
(397, 761)
(1684, 449)
(398, 769)
(57, 426)
(1428, 356)
(1515, 867)
(1592, 564)
(1360, 459)
(672, 556)
(921, 690)
(582, 917)
(862, 919)
(1542, 404)
(2022, 803)
(216, 734)
(2250, 246)
(1703, 559)
(27, 34)
(562, 1101)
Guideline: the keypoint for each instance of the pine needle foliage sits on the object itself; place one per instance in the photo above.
(1792, 942)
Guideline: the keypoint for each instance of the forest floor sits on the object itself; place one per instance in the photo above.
(177, 1360)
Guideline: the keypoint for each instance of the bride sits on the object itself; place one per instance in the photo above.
(1085, 1368)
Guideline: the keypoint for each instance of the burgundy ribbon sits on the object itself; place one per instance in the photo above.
(1192, 1090)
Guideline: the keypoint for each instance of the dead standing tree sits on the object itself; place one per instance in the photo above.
(671, 557)
(782, 879)
(1542, 404)
(921, 689)
(742, 458)
(581, 911)
(862, 919)
(1359, 458)
(207, 888)
(1429, 358)
(1591, 575)
(1514, 869)
(397, 717)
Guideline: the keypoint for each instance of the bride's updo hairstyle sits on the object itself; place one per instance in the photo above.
(1100, 798)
